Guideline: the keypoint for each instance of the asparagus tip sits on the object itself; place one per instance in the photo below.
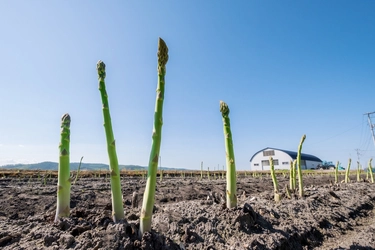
(65, 119)
(162, 54)
(100, 66)
(224, 109)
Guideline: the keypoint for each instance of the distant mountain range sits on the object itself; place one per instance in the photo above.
(48, 165)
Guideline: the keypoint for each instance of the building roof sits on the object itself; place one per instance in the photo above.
(292, 154)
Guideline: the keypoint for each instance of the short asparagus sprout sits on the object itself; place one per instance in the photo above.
(117, 205)
(201, 170)
(78, 170)
(288, 193)
(300, 181)
(135, 199)
(149, 194)
(347, 179)
(294, 175)
(274, 180)
(358, 171)
(291, 176)
(64, 182)
(370, 170)
(161, 175)
(230, 161)
(45, 178)
(337, 172)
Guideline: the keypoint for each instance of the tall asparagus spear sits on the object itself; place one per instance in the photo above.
(358, 171)
(63, 184)
(300, 180)
(291, 176)
(370, 171)
(347, 172)
(337, 172)
(276, 190)
(149, 194)
(231, 166)
(294, 174)
(117, 206)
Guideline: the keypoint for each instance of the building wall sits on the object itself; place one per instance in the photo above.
(281, 161)
(312, 164)
(261, 160)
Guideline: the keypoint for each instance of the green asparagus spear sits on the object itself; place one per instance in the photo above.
(337, 172)
(358, 171)
(63, 184)
(201, 170)
(347, 179)
(370, 171)
(300, 181)
(274, 180)
(294, 174)
(149, 194)
(231, 166)
(79, 168)
(291, 176)
(117, 206)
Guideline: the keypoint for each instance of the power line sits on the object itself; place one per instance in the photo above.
(362, 138)
(335, 135)
(358, 154)
(371, 125)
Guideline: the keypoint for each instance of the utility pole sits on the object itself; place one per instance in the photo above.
(371, 125)
(358, 153)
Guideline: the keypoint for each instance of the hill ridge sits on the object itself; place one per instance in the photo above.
(49, 165)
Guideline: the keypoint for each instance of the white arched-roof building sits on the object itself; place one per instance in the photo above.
(281, 159)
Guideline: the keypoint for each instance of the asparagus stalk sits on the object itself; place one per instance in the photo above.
(358, 172)
(300, 181)
(63, 184)
(294, 174)
(231, 166)
(201, 170)
(161, 175)
(287, 192)
(347, 171)
(337, 172)
(148, 196)
(370, 170)
(79, 168)
(291, 176)
(135, 199)
(117, 206)
(274, 180)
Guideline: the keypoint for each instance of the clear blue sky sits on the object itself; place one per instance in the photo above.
(285, 68)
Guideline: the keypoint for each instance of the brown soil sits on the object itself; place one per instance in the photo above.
(189, 214)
